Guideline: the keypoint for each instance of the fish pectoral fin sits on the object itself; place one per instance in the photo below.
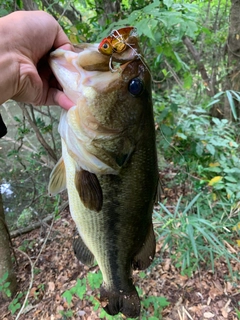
(57, 182)
(81, 251)
(127, 303)
(146, 254)
(89, 190)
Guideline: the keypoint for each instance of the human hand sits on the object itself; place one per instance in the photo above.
(27, 37)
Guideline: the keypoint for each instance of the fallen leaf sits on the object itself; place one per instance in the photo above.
(208, 315)
(51, 286)
(215, 180)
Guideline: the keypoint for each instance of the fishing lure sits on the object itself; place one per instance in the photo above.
(116, 42)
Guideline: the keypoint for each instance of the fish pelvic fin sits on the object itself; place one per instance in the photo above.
(146, 254)
(81, 251)
(89, 190)
(57, 182)
(114, 302)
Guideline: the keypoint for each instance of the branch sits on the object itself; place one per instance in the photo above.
(18, 232)
(175, 76)
(32, 269)
(30, 284)
(72, 15)
(23, 146)
(38, 133)
(200, 66)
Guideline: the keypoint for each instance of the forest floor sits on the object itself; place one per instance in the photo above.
(203, 295)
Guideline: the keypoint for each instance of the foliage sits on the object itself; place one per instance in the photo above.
(193, 235)
(27, 166)
(207, 147)
(15, 304)
(238, 313)
(205, 153)
(94, 281)
(4, 285)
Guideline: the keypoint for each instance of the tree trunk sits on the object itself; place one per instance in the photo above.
(5, 254)
(108, 11)
(232, 81)
(29, 5)
(209, 82)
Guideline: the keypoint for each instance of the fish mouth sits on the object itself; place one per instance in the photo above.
(72, 71)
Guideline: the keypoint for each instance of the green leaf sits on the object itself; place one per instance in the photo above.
(199, 148)
(213, 102)
(192, 202)
(94, 280)
(231, 103)
(68, 296)
(210, 148)
(213, 169)
(145, 27)
(168, 3)
(236, 95)
(238, 313)
(166, 130)
(181, 135)
(4, 277)
(231, 179)
(153, 6)
(3, 12)
(190, 234)
(187, 81)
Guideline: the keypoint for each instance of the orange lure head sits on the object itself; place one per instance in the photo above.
(116, 42)
(105, 47)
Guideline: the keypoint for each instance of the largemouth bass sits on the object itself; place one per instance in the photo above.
(109, 167)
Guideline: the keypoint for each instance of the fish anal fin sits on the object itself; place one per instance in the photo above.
(146, 254)
(82, 252)
(89, 190)
(57, 182)
(127, 303)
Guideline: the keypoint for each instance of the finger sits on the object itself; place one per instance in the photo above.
(57, 97)
(68, 47)
(62, 41)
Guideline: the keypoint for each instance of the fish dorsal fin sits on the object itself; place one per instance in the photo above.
(81, 251)
(57, 182)
(146, 254)
(89, 190)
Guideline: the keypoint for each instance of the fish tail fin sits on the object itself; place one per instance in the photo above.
(114, 302)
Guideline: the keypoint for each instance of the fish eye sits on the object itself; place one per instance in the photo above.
(105, 46)
(135, 86)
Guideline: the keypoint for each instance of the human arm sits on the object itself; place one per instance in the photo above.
(26, 38)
